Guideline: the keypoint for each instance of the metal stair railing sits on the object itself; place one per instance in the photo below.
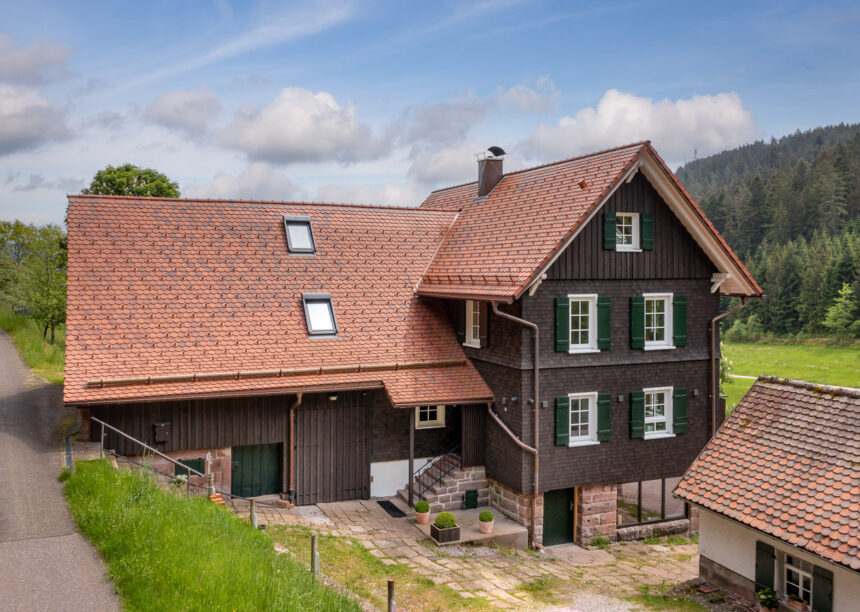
(423, 487)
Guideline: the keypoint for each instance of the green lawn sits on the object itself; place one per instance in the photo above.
(828, 364)
(46, 360)
(169, 552)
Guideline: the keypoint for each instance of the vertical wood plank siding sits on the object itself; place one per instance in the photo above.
(675, 256)
(333, 449)
(198, 424)
(474, 435)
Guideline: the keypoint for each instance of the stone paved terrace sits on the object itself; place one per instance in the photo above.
(581, 579)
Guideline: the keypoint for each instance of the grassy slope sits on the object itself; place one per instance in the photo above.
(168, 552)
(46, 360)
(819, 363)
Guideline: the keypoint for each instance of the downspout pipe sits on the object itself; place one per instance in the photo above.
(714, 390)
(292, 450)
(536, 407)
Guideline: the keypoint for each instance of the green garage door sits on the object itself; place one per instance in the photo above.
(558, 517)
(256, 470)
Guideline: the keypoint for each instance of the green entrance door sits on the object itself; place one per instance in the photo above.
(256, 470)
(558, 517)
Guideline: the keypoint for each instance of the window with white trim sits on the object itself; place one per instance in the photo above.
(473, 324)
(583, 323)
(428, 417)
(300, 235)
(658, 321)
(627, 232)
(319, 314)
(583, 419)
(658, 412)
(798, 579)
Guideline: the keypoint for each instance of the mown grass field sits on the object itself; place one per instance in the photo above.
(46, 360)
(828, 364)
(167, 552)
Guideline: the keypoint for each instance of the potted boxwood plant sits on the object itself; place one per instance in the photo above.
(767, 600)
(422, 512)
(444, 528)
(485, 521)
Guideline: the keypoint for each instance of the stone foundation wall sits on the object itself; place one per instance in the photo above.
(721, 576)
(517, 507)
(665, 528)
(220, 466)
(596, 510)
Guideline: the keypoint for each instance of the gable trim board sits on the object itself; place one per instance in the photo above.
(699, 227)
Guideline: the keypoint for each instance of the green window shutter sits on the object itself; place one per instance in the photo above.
(647, 229)
(609, 222)
(679, 411)
(562, 324)
(637, 322)
(604, 416)
(763, 566)
(822, 590)
(679, 320)
(562, 421)
(604, 323)
(637, 414)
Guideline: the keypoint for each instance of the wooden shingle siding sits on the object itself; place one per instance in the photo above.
(675, 254)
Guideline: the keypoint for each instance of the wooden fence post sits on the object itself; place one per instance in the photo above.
(392, 607)
(253, 515)
(315, 555)
(102, 442)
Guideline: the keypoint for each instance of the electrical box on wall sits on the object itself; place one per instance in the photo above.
(162, 431)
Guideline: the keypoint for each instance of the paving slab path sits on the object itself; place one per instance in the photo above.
(45, 564)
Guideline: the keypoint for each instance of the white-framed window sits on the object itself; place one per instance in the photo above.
(583, 419)
(473, 324)
(658, 321)
(627, 232)
(658, 412)
(428, 417)
(583, 323)
(798, 579)
(319, 314)
(300, 235)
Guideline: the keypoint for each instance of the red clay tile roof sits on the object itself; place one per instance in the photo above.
(500, 243)
(166, 287)
(787, 463)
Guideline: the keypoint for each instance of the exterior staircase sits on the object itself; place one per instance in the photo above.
(444, 484)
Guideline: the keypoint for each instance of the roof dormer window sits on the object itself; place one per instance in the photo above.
(300, 236)
(319, 314)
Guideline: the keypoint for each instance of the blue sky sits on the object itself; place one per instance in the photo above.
(381, 102)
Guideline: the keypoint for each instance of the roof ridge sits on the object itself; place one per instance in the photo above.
(555, 163)
(243, 201)
(802, 384)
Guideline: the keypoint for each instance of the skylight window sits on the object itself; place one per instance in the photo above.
(319, 314)
(300, 236)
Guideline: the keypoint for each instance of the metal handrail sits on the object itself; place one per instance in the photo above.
(422, 488)
(143, 444)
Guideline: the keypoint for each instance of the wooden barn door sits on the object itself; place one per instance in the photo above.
(332, 449)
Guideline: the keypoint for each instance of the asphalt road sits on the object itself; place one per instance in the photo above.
(45, 564)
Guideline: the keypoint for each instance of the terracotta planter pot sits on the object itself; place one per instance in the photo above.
(486, 526)
(800, 606)
(452, 534)
(422, 518)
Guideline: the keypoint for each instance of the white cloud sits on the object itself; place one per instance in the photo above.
(523, 98)
(259, 181)
(39, 62)
(27, 120)
(442, 123)
(709, 123)
(446, 166)
(407, 194)
(299, 126)
(189, 111)
(38, 181)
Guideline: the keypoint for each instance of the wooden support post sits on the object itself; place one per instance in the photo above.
(315, 555)
(102, 443)
(392, 607)
(411, 460)
(253, 515)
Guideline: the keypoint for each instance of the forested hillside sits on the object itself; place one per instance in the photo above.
(791, 210)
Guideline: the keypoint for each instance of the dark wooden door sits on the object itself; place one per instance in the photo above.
(333, 450)
(558, 517)
(255, 470)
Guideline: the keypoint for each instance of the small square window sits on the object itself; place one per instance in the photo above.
(583, 323)
(658, 412)
(300, 235)
(319, 314)
(473, 324)
(658, 321)
(428, 417)
(627, 232)
(583, 418)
